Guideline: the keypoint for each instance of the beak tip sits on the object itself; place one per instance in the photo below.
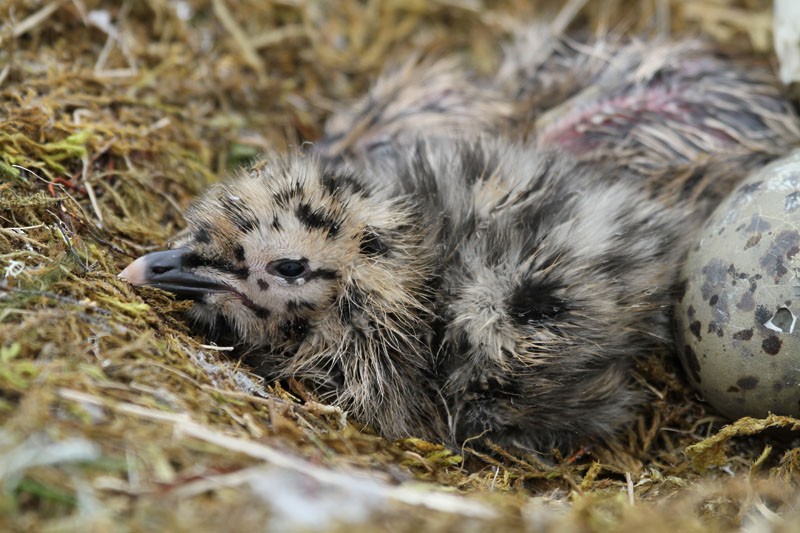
(124, 275)
(135, 273)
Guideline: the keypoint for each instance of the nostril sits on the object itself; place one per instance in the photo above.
(161, 269)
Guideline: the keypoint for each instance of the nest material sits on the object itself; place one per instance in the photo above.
(115, 416)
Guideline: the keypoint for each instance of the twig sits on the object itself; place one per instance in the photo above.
(34, 20)
(184, 425)
(629, 485)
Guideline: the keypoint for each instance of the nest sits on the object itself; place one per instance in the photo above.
(116, 417)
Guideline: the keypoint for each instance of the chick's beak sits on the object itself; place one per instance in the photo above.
(166, 270)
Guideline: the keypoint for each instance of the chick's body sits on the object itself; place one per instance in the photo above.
(551, 280)
(492, 291)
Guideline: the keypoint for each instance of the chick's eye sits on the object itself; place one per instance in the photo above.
(289, 268)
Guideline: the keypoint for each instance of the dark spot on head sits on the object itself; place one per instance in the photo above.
(276, 224)
(193, 260)
(238, 252)
(733, 389)
(533, 302)
(202, 235)
(322, 273)
(772, 345)
(692, 364)
(747, 382)
(337, 181)
(743, 335)
(777, 386)
(690, 311)
(713, 300)
(694, 327)
(762, 314)
(285, 196)
(372, 245)
(262, 284)
(329, 183)
(713, 327)
(317, 219)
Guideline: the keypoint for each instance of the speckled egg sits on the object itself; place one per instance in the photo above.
(737, 326)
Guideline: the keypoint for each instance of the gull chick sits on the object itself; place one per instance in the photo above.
(474, 289)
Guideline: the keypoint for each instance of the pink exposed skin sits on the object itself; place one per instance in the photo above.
(622, 112)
